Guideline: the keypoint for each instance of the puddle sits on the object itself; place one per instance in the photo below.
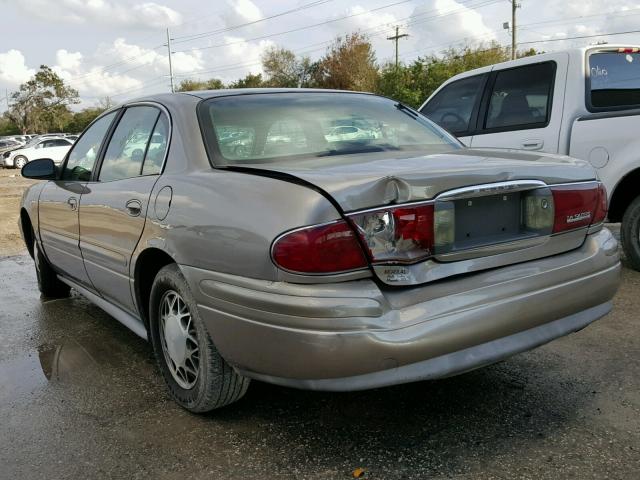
(70, 362)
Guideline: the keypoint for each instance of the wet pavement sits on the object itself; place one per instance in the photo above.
(80, 397)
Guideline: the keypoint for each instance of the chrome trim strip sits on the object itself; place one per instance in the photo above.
(488, 189)
(585, 182)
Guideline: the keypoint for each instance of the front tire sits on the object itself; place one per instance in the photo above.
(48, 282)
(20, 161)
(198, 378)
(630, 233)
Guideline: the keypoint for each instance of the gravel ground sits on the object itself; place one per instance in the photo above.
(11, 187)
(80, 397)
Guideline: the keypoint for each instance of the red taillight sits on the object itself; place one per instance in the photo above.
(401, 234)
(603, 205)
(322, 249)
(578, 205)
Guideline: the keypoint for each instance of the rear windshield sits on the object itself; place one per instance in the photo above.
(269, 127)
(614, 79)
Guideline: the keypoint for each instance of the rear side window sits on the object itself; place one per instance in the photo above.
(451, 107)
(521, 97)
(127, 147)
(614, 80)
(157, 147)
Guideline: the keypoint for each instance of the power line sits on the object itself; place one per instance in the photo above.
(306, 27)
(233, 66)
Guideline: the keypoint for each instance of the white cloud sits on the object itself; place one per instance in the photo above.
(447, 21)
(241, 11)
(110, 12)
(129, 67)
(13, 69)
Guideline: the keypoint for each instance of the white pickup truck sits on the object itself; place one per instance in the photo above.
(583, 102)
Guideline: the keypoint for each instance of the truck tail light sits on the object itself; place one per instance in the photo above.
(578, 205)
(404, 234)
(331, 248)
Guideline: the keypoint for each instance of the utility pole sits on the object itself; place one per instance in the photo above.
(395, 38)
(170, 66)
(514, 5)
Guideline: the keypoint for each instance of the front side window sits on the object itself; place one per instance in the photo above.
(265, 128)
(84, 153)
(521, 97)
(127, 147)
(614, 80)
(451, 107)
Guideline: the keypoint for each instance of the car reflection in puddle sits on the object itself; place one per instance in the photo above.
(60, 362)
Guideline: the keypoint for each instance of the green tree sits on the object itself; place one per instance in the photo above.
(42, 103)
(7, 126)
(283, 69)
(80, 120)
(250, 80)
(349, 64)
(191, 85)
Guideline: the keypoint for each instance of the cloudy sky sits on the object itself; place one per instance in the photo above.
(117, 48)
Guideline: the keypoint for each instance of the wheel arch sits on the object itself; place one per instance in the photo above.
(623, 194)
(148, 264)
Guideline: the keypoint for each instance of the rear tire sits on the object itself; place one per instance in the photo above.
(197, 376)
(630, 233)
(48, 282)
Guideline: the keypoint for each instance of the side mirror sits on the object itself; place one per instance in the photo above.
(41, 169)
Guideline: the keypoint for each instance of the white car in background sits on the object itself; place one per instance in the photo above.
(54, 148)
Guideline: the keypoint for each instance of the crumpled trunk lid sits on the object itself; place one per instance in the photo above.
(358, 182)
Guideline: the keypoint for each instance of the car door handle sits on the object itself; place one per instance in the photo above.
(134, 207)
(533, 144)
(72, 202)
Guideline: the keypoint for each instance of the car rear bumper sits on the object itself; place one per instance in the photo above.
(353, 335)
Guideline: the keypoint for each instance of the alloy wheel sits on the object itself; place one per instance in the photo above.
(179, 340)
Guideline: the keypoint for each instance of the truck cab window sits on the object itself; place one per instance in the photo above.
(452, 106)
(520, 97)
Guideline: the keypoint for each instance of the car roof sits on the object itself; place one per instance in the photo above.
(52, 138)
(226, 92)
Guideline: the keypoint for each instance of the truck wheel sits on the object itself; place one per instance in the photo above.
(199, 379)
(48, 282)
(630, 233)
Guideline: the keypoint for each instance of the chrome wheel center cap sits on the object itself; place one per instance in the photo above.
(176, 339)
